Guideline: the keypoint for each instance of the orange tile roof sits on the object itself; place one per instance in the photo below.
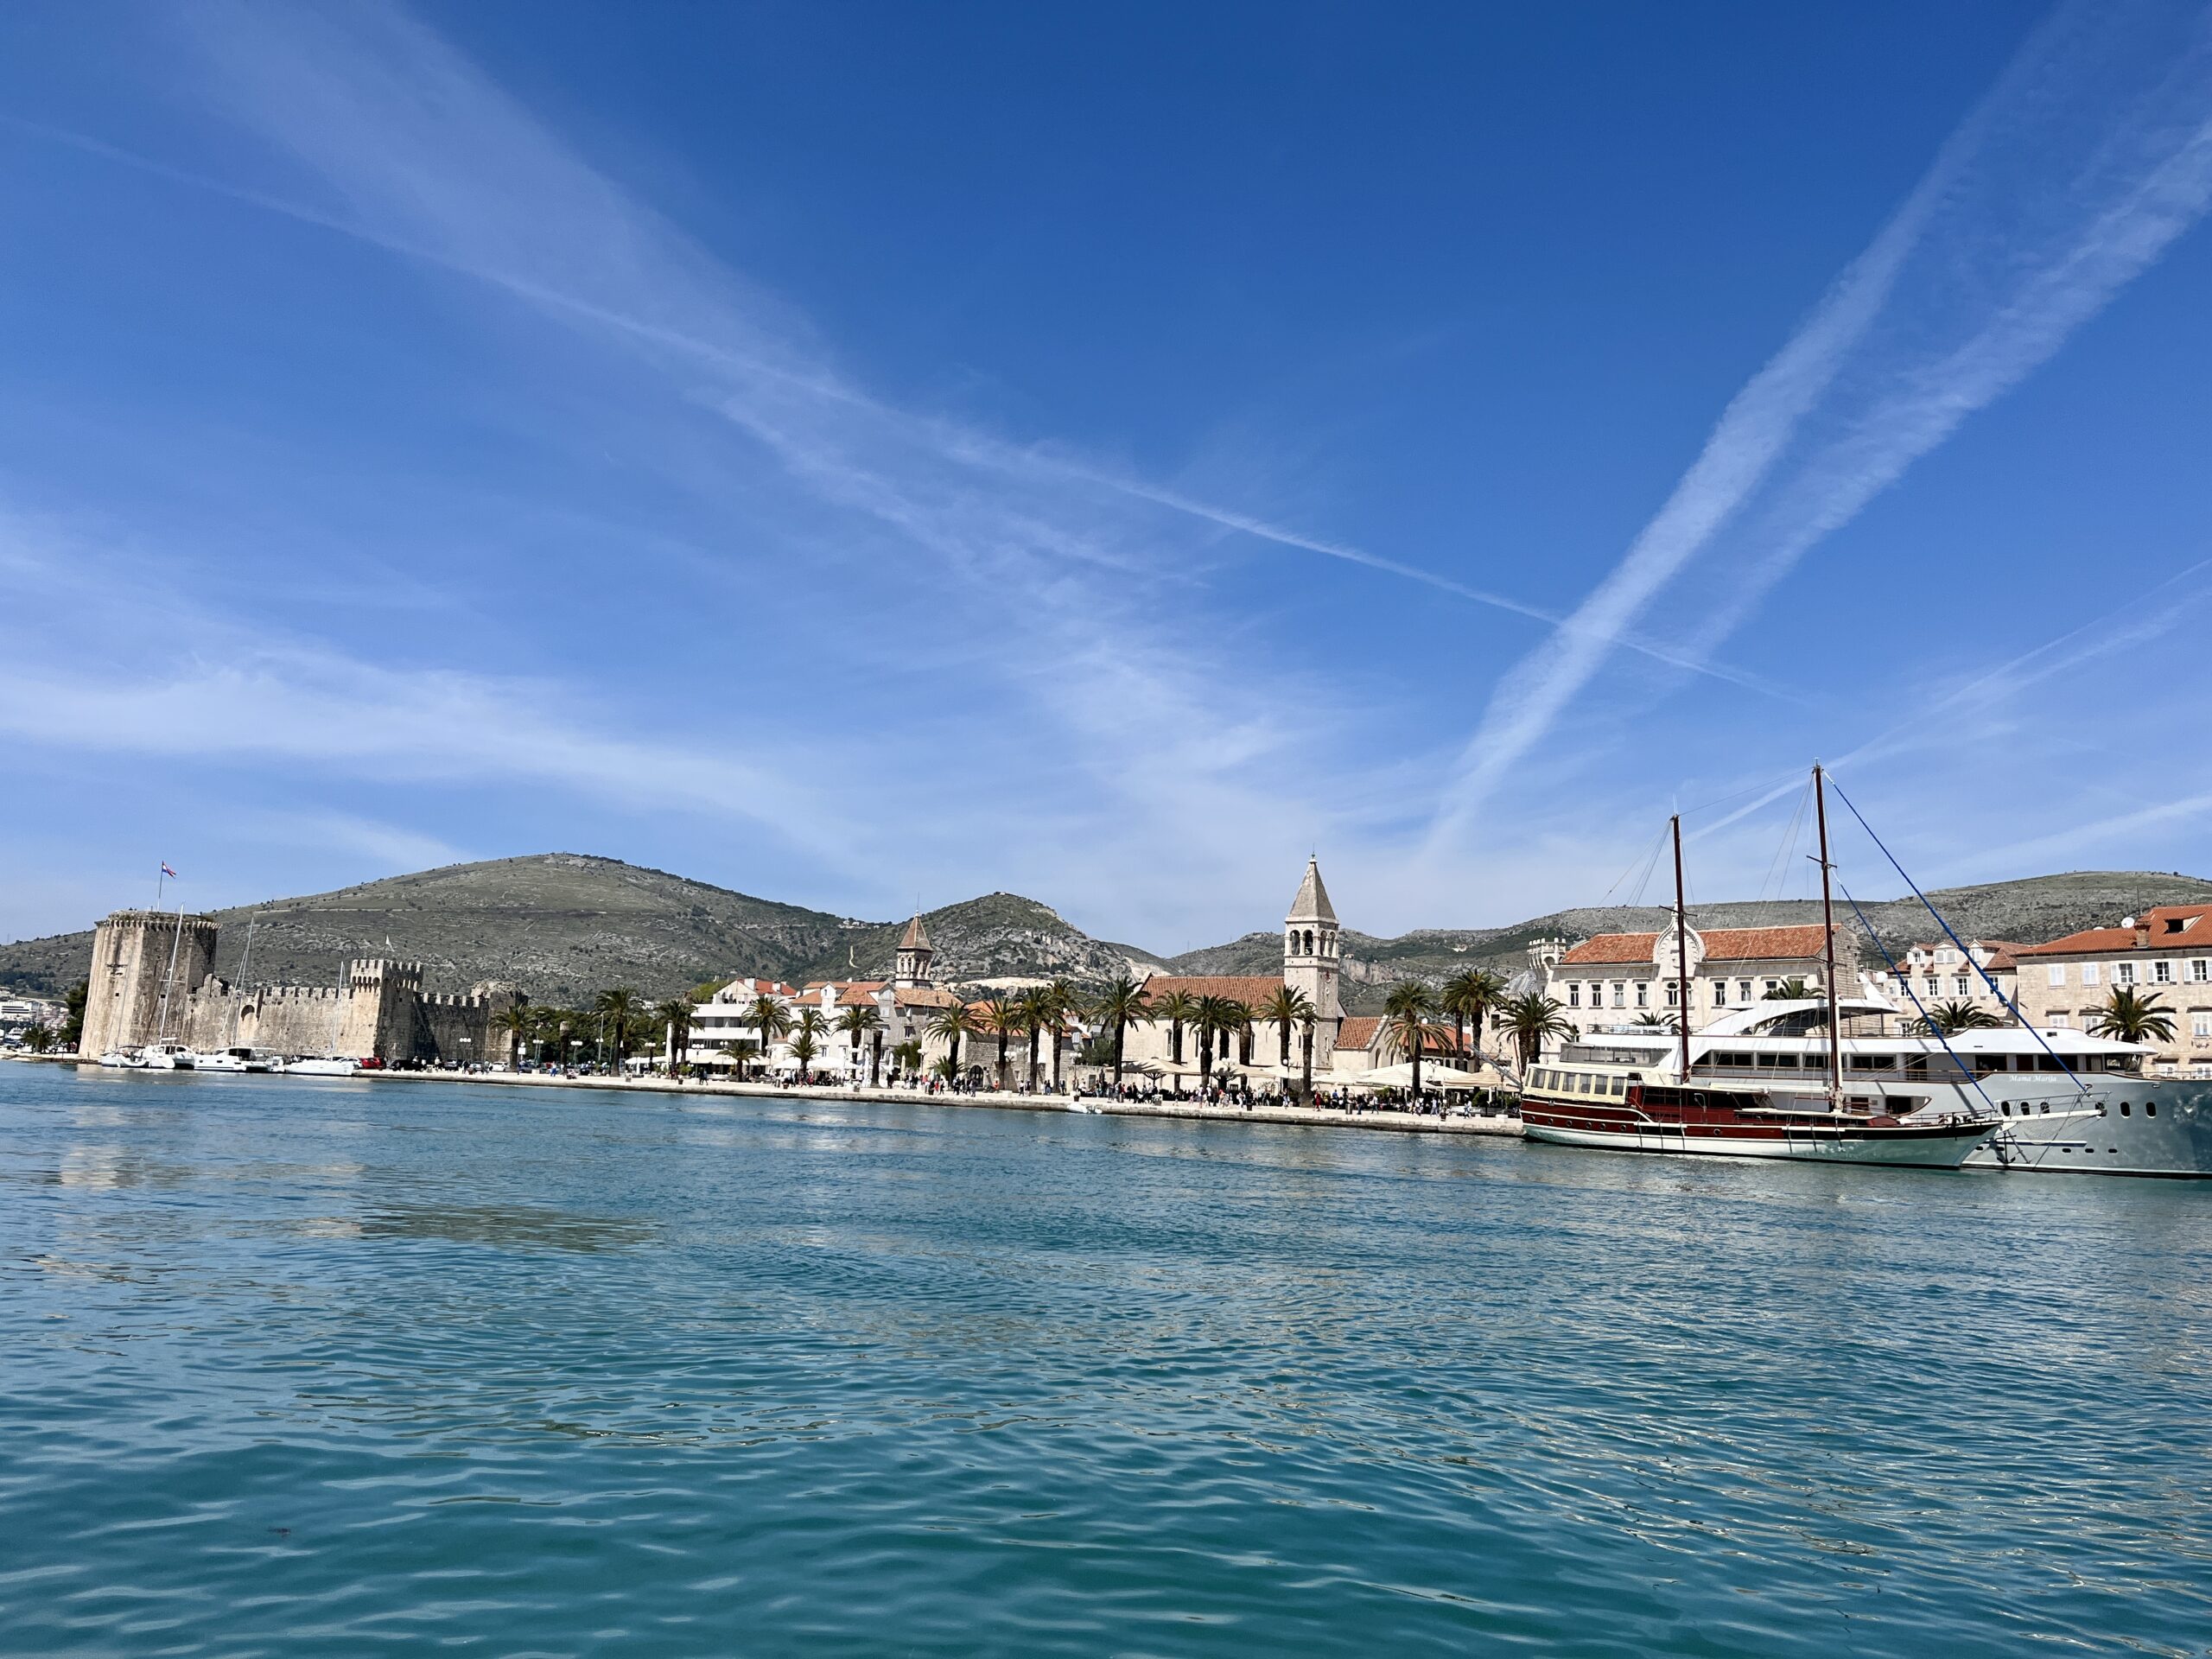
(858, 993)
(1721, 945)
(1253, 991)
(1358, 1032)
(924, 996)
(2155, 933)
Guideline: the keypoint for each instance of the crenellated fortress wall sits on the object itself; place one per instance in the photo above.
(381, 1010)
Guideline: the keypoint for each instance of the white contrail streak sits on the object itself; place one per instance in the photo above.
(2063, 288)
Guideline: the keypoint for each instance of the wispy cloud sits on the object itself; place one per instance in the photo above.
(2140, 173)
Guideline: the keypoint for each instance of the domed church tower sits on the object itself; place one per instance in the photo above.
(1310, 959)
(916, 953)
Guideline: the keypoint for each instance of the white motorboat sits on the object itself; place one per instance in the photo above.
(329, 1067)
(234, 1058)
(165, 1057)
(128, 1059)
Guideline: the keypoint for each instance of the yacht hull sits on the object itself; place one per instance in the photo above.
(2140, 1127)
(1907, 1146)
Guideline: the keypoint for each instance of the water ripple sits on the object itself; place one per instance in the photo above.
(295, 1370)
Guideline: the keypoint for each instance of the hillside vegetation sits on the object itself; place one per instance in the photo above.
(562, 927)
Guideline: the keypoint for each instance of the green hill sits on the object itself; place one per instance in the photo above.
(564, 927)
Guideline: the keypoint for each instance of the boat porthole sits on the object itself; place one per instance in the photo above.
(2101, 1111)
(2126, 1110)
(2006, 1107)
(2150, 1108)
(2046, 1106)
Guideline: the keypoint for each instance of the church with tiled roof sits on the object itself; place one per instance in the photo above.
(1312, 963)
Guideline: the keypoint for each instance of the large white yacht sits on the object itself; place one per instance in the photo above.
(2059, 1100)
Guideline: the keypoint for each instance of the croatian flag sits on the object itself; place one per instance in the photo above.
(169, 872)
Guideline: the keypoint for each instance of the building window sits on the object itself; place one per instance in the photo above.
(1959, 985)
(1673, 992)
(2058, 1021)
(2200, 1026)
(1719, 993)
(2162, 972)
(2088, 973)
(2123, 972)
(1743, 990)
(1573, 994)
(2200, 971)
(1642, 995)
(1620, 994)
(1772, 986)
(2057, 975)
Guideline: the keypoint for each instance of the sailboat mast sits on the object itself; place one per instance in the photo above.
(238, 1002)
(176, 942)
(1827, 917)
(1681, 956)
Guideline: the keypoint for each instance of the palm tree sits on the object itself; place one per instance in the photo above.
(1468, 997)
(948, 1025)
(1217, 1016)
(1532, 1022)
(1288, 1006)
(676, 1015)
(1790, 990)
(1035, 1009)
(517, 1021)
(811, 1025)
(1118, 1005)
(1065, 1006)
(768, 1015)
(1000, 1018)
(1948, 1019)
(1177, 1009)
(2131, 1016)
(907, 1057)
(1305, 1024)
(617, 1010)
(38, 1038)
(1656, 1022)
(857, 1022)
(1408, 1025)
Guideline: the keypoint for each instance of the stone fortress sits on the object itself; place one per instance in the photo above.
(153, 980)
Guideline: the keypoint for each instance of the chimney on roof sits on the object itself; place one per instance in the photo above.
(2142, 931)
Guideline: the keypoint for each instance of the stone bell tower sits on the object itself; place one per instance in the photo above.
(916, 953)
(1310, 957)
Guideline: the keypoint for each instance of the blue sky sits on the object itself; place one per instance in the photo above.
(853, 453)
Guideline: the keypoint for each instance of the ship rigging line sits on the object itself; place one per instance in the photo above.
(1968, 955)
(1905, 980)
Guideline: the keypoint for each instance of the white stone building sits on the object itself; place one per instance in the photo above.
(1623, 979)
(2165, 954)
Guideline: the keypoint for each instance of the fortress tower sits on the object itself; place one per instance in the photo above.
(916, 954)
(1311, 961)
(132, 956)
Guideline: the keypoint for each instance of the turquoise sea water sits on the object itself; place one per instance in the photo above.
(296, 1367)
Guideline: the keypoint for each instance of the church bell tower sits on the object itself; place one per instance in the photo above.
(916, 953)
(1310, 959)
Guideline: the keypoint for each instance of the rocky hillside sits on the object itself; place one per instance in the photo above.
(564, 927)
(2025, 912)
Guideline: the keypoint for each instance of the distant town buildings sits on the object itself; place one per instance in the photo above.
(1944, 972)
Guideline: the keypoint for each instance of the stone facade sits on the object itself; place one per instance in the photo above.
(1618, 979)
(145, 964)
(1941, 972)
(2165, 954)
(148, 984)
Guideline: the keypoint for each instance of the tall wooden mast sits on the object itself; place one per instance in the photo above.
(1827, 917)
(1681, 956)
